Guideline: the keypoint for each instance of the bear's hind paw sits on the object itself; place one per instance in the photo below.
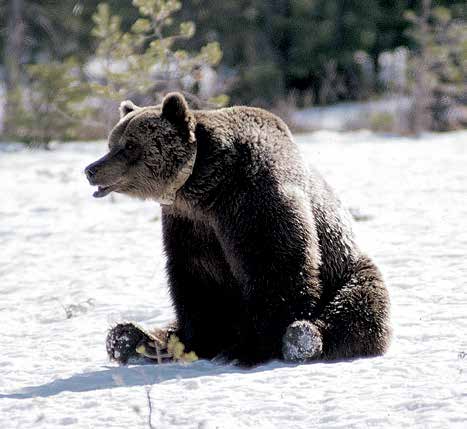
(302, 342)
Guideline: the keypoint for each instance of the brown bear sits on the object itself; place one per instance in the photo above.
(261, 259)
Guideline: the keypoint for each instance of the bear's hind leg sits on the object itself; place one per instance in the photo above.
(356, 321)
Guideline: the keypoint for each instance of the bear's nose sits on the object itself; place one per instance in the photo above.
(90, 172)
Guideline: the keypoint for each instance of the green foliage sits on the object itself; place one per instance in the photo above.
(177, 349)
(134, 63)
(271, 49)
(263, 82)
(382, 122)
(308, 45)
(290, 45)
(49, 108)
(147, 56)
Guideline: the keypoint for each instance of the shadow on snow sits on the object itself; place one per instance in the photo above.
(140, 375)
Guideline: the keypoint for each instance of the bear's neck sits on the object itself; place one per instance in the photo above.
(210, 171)
(170, 192)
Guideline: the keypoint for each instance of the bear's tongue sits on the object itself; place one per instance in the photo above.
(102, 191)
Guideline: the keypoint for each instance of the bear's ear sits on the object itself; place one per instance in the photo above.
(175, 109)
(126, 107)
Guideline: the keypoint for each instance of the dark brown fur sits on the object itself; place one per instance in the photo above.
(254, 239)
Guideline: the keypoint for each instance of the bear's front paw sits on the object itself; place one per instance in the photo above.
(128, 341)
(301, 342)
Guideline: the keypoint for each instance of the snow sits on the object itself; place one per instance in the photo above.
(72, 265)
(350, 115)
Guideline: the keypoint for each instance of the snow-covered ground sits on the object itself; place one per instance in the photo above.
(351, 115)
(63, 253)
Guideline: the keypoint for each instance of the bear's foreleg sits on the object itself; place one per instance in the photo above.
(273, 253)
(204, 294)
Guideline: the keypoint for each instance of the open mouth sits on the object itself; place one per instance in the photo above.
(102, 191)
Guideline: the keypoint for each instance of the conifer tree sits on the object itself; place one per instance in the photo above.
(64, 97)
(438, 67)
(146, 60)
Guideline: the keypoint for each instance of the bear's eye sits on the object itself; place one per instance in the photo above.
(132, 151)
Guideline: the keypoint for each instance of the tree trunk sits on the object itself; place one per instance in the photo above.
(423, 91)
(14, 46)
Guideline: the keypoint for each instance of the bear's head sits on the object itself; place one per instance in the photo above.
(151, 151)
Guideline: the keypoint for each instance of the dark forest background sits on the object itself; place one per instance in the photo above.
(280, 54)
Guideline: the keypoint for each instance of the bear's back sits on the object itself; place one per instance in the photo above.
(266, 153)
